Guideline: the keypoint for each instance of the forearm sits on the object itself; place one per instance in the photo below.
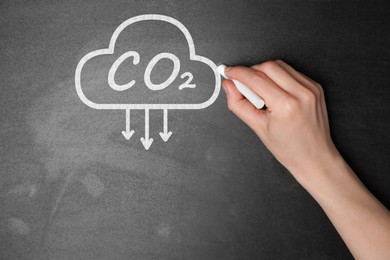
(361, 220)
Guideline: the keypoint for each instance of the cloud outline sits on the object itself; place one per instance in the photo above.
(110, 50)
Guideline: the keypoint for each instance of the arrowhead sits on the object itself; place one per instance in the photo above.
(165, 136)
(147, 142)
(128, 135)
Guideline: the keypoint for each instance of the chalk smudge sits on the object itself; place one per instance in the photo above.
(164, 230)
(93, 184)
(26, 189)
(18, 226)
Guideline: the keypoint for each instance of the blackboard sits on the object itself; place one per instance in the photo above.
(72, 187)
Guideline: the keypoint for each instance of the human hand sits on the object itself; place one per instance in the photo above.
(294, 127)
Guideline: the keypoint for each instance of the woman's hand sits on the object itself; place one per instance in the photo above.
(294, 127)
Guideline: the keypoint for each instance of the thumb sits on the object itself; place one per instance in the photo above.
(242, 108)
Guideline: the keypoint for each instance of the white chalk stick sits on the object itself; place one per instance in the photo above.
(245, 91)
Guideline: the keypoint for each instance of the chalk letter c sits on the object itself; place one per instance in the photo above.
(114, 67)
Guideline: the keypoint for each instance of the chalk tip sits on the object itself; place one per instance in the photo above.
(221, 70)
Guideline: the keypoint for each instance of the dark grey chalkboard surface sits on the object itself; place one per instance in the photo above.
(72, 187)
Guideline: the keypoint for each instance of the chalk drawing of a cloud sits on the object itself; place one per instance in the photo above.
(131, 54)
(135, 57)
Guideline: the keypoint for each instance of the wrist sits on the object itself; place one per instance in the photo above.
(323, 167)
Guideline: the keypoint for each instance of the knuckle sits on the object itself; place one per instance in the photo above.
(279, 61)
(269, 66)
(256, 67)
(317, 93)
(320, 89)
(258, 76)
(231, 106)
(291, 106)
(308, 97)
(317, 90)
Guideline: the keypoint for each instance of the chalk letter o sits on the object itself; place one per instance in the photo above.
(152, 63)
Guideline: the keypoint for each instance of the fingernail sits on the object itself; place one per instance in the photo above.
(228, 68)
(225, 88)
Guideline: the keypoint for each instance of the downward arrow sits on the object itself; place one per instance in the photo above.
(146, 141)
(165, 134)
(127, 134)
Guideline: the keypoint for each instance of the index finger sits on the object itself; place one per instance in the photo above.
(258, 82)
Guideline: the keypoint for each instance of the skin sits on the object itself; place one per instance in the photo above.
(295, 128)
